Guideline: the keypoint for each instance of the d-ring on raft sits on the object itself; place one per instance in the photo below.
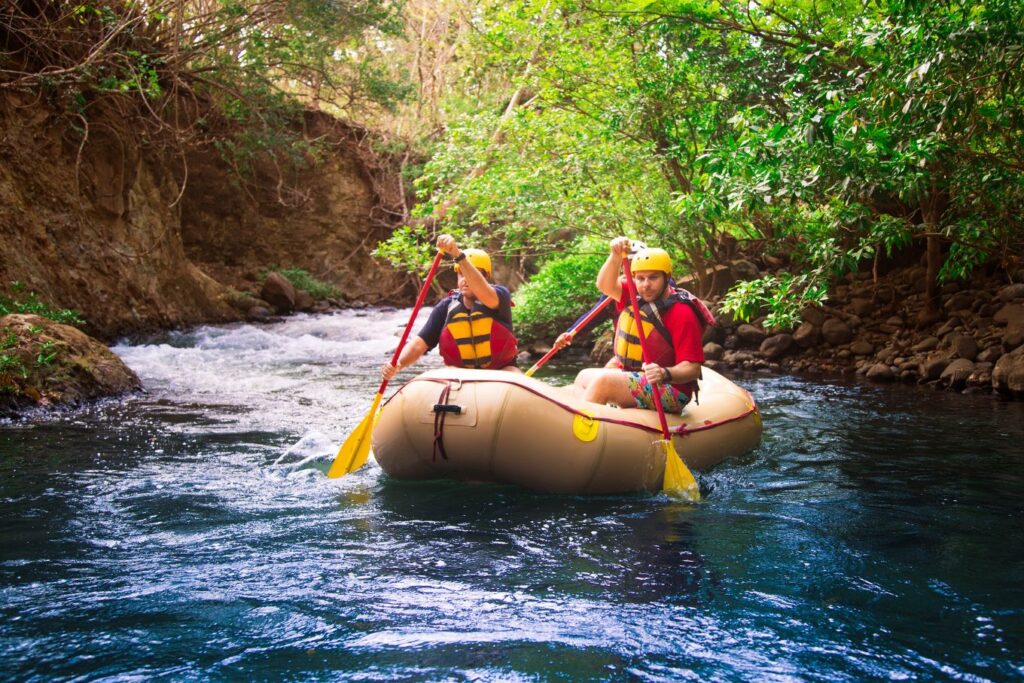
(489, 425)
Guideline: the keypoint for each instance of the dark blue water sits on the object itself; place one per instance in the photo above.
(190, 534)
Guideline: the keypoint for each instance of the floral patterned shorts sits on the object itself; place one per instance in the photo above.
(672, 400)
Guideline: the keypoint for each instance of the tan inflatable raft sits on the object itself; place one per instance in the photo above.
(489, 425)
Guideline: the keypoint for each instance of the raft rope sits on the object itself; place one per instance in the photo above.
(681, 430)
(439, 423)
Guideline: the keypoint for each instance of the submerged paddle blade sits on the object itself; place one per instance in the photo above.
(353, 453)
(679, 481)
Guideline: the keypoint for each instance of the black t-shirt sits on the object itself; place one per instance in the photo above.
(431, 331)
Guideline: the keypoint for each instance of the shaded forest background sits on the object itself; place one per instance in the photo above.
(159, 156)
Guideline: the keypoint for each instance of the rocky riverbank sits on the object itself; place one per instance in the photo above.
(883, 331)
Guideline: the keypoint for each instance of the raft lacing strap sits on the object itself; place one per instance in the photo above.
(439, 424)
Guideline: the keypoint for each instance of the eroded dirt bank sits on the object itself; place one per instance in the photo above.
(137, 238)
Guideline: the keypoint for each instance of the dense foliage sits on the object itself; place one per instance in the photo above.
(826, 134)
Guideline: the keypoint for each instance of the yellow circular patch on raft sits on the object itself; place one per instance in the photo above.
(584, 427)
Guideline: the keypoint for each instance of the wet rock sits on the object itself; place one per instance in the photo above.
(258, 314)
(956, 373)
(777, 346)
(836, 332)
(981, 376)
(279, 293)
(880, 372)
(1008, 374)
(931, 368)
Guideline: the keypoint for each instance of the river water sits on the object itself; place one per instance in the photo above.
(189, 533)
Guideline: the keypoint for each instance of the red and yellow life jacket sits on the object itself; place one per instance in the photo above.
(475, 339)
(662, 350)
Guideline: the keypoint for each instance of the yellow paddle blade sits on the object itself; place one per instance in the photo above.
(679, 481)
(352, 454)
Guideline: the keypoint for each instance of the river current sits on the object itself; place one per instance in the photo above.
(189, 533)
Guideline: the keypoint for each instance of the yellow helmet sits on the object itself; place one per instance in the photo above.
(479, 258)
(652, 258)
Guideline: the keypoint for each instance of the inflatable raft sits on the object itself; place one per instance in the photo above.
(494, 426)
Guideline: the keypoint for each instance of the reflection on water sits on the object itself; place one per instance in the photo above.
(189, 533)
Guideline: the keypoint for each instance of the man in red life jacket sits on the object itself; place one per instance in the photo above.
(472, 326)
(673, 320)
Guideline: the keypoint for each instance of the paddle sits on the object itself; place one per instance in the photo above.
(353, 453)
(598, 307)
(678, 480)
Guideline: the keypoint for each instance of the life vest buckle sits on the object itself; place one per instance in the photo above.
(447, 408)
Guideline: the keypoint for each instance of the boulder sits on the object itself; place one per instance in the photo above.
(862, 348)
(926, 318)
(925, 345)
(1011, 315)
(713, 351)
(836, 332)
(777, 346)
(965, 346)
(744, 270)
(1011, 292)
(47, 363)
(990, 355)
(279, 293)
(1008, 374)
(751, 334)
(815, 315)
(931, 368)
(807, 335)
(257, 314)
(1013, 337)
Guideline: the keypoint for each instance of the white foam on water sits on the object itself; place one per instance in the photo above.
(306, 373)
